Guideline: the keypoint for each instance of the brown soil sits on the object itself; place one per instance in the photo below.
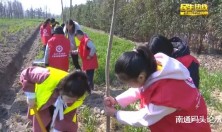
(19, 50)
(210, 62)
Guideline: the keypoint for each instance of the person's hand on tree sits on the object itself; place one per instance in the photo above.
(109, 101)
(110, 111)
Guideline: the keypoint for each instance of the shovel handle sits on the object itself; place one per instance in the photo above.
(39, 120)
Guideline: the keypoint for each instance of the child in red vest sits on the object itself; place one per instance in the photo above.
(177, 49)
(87, 52)
(56, 94)
(58, 50)
(169, 100)
(45, 32)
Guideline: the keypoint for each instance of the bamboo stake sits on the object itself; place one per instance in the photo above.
(39, 120)
(108, 60)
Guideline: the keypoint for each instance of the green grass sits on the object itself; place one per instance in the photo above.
(128, 128)
(209, 81)
(88, 120)
(134, 129)
(100, 40)
(40, 55)
(12, 26)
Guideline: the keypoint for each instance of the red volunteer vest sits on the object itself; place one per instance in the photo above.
(59, 49)
(84, 52)
(191, 111)
(187, 60)
(45, 33)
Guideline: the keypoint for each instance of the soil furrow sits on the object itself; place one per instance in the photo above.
(9, 88)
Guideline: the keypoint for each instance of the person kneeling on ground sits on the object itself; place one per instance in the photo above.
(167, 96)
(87, 52)
(58, 50)
(177, 49)
(56, 94)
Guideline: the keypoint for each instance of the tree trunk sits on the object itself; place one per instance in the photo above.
(200, 47)
(108, 60)
(62, 11)
(70, 10)
(46, 13)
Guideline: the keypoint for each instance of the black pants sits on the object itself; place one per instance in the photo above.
(75, 60)
(90, 74)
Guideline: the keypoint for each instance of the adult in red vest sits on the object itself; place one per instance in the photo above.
(70, 29)
(170, 102)
(57, 50)
(45, 32)
(179, 50)
(87, 52)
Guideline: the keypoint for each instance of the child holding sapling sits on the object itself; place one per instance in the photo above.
(165, 90)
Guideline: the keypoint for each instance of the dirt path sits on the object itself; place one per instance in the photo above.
(12, 103)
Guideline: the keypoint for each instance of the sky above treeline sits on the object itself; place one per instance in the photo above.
(53, 6)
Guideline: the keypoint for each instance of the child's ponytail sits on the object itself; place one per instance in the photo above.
(130, 64)
(149, 57)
